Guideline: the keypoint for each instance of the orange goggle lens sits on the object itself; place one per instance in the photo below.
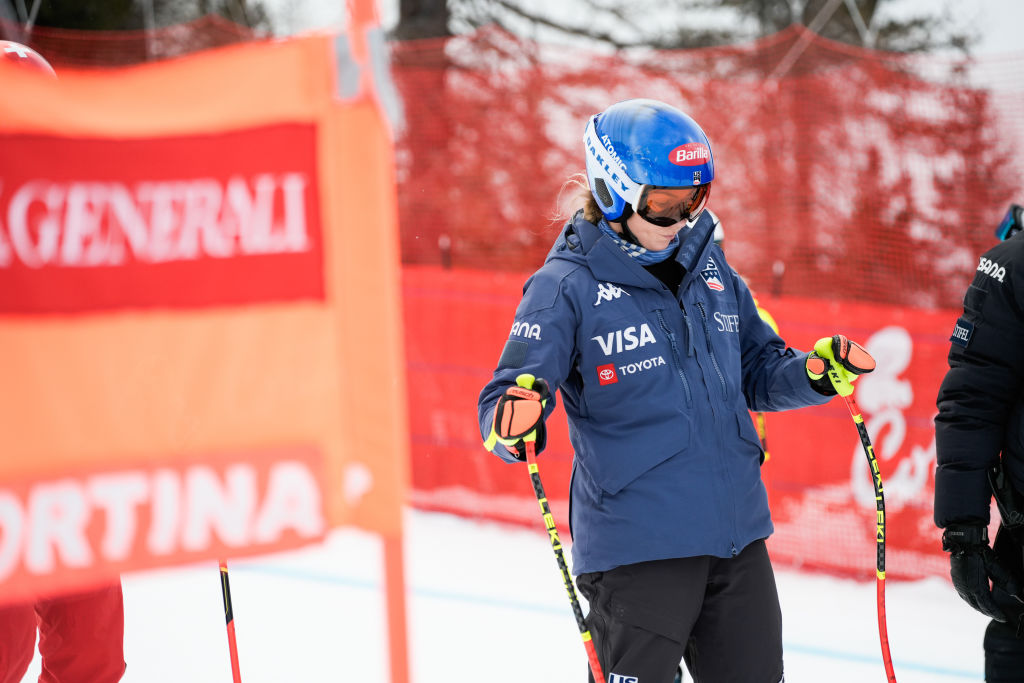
(665, 206)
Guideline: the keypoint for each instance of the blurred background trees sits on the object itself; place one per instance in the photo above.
(119, 32)
(129, 15)
(685, 23)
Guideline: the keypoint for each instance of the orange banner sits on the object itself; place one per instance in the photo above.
(199, 311)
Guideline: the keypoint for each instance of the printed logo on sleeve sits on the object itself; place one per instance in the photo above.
(606, 374)
(962, 332)
(523, 329)
(992, 269)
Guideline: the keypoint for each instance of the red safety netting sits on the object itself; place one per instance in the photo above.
(851, 173)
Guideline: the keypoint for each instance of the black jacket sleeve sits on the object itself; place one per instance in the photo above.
(984, 382)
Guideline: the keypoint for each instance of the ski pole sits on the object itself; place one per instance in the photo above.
(229, 617)
(556, 544)
(876, 480)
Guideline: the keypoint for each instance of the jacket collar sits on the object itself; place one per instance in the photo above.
(696, 247)
(582, 241)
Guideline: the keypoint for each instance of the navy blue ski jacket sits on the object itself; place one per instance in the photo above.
(656, 389)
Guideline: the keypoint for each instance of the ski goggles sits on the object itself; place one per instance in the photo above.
(665, 206)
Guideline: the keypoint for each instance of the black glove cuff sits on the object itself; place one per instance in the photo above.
(823, 385)
(957, 537)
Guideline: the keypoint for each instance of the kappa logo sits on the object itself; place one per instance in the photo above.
(619, 678)
(520, 329)
(711, 276)
(606, 291)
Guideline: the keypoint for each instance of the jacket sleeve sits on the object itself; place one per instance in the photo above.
(541, 342)
(984, 381)
(774, 376)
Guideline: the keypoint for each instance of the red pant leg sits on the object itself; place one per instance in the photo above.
(81, 637)
(17, 641)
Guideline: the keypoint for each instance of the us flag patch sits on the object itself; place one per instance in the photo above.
(711, 276)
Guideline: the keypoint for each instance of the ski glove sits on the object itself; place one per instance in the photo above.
(972, 563)
(519, 415)
(835, 363)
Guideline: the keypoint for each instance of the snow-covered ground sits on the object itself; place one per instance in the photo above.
(485, 603)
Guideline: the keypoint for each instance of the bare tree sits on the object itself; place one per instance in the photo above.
(122, 15)
(422, 19)
(685, 23)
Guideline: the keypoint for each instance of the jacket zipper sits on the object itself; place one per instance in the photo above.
(675, 354)
(711, 350)
(725, 392)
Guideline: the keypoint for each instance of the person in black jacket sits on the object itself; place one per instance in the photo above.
(981, 415)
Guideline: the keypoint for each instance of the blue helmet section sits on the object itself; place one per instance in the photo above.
(643, 142)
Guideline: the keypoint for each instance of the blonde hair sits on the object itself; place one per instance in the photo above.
(574, 195)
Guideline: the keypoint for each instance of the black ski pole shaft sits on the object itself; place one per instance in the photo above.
(229, 617)
(876, 480)
(556, 544)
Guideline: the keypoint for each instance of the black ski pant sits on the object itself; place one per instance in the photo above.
(720, 615)
(1004, 641)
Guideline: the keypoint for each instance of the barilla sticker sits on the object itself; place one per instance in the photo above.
(690, 154)
(962, 332)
